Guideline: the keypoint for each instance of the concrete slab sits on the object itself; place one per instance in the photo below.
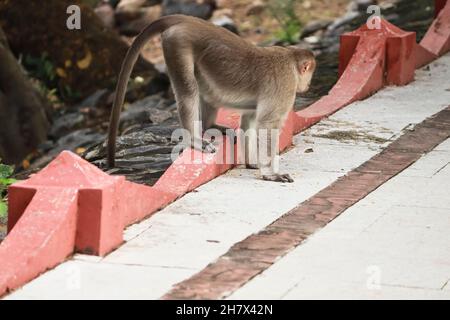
(86, 280)
(438, 160)
(348, 291)
(393, 244)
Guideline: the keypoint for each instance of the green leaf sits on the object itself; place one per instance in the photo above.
(3, 209)
(5, 171)
(7, 181)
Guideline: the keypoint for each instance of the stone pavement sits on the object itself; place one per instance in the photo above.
(391, 244)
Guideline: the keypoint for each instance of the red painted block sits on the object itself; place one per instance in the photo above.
(194, 168)
(401, 59)
(348, 44)
(99, 227)
(368, 59)
(42, 238)
(363, 75)
(438, 6)
(19, 199)
(437, 38)
(287, 131)
(136, 201)
(423, 56)
(70, 205)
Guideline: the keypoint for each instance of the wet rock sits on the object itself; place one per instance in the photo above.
(83, 138)
(75, 141)
(333, 28)
(144, 115)
(144, 140)
(198, 8)
(312, 39)
(143, 154)
(314, 26)
(97, 99)
(360, 5)
(150, 110)
(67, 123)
(148, 173)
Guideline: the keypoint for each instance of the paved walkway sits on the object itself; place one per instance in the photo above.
(393, 244)
(185, 237)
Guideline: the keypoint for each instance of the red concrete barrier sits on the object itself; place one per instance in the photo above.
(438, 6)
(437, 38)
(69, 206)
(194, 168)
(72, 206)
(368, 60)
(42, 238)
(423, 56)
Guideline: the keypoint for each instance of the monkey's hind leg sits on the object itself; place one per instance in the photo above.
(248, 126)
(209, 117)
(180, 66)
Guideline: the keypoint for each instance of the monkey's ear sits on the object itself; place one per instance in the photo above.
(305, 66)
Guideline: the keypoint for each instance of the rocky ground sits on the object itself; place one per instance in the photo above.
(144, 147)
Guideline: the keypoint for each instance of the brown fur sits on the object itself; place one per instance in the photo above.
(211, 67)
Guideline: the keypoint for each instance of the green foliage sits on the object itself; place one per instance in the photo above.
(3, 209)
(42, 69)
(5, 181)
(284, 12)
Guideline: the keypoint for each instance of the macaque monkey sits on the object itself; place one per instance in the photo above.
(211, 67)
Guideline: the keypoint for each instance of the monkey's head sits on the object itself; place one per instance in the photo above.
(306, 65)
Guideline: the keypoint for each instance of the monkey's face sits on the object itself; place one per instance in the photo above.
(305, 70)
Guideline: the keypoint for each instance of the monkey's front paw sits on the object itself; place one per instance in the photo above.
(278, 178)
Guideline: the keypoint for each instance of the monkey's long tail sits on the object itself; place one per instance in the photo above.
(150, 31)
